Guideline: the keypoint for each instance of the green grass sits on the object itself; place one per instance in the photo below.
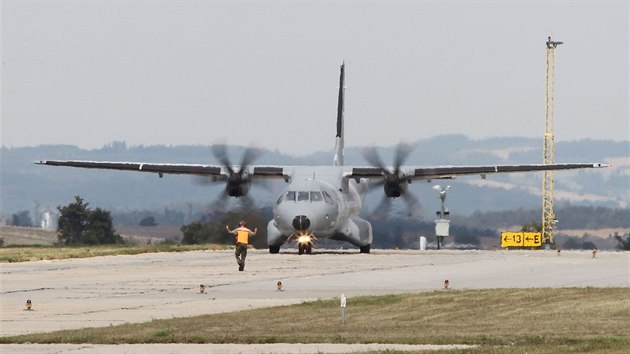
(498, 320)
(36, 253)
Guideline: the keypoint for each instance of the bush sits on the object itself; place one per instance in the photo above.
(148, 221)
(588, 245)
(214, 231)
(80, 225)
(624, 241)
(572, 244)
(196, 233)
(22, 218)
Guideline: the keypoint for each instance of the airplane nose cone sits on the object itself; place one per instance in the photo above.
(301, 222)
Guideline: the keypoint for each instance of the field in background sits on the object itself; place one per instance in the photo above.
(601, 233)
(23, 244)
(39, 253)
(139, 235)
(499, 320)
(14, 235)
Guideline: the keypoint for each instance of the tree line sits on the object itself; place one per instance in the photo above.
(79, 224)
(569, 217)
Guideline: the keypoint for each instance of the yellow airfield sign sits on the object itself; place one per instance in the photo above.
(511, 239)
(521, 239)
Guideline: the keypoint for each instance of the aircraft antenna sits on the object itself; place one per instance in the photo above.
(548, 216)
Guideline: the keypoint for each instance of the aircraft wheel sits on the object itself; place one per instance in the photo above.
(300, 249)
(309, 248)
(274, 249)
(365, 249)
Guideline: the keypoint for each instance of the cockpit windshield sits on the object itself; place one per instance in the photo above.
(316, 196)
(303, 196)
(327, 198)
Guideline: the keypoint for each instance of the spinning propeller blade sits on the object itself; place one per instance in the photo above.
(395, 183)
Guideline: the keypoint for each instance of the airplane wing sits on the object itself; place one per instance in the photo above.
(449, 172)
(163, 168)
(407, 172)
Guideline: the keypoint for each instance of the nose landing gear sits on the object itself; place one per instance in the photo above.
(305, 243)
(305, 248)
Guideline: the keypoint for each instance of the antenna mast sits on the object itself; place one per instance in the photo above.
(548, 217)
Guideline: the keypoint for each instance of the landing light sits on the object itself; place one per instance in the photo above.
(303, 239)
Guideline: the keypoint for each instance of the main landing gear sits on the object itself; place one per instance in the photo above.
(365, 249)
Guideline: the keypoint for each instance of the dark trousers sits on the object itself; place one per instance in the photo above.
(241, 253)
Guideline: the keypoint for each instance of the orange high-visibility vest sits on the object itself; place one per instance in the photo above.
(242, 235)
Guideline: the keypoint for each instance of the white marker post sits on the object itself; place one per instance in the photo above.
(343, 308)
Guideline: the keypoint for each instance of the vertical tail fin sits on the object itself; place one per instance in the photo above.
(338, 161)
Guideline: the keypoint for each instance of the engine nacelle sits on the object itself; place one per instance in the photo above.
(237, 185)
(274, 236)
(393, 186)
(355, 230)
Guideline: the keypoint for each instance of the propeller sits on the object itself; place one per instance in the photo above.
(222, 204)
(395, 183)
(237, 182)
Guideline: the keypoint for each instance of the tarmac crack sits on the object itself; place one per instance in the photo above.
(124, 308)
(24, 291)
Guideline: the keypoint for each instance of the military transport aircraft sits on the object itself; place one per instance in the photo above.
(321, 201)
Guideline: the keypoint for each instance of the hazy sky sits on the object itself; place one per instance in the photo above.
(194, 72)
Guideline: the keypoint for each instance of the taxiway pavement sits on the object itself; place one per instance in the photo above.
(103, 291)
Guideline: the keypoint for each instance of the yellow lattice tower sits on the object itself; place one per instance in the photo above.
(548, 216)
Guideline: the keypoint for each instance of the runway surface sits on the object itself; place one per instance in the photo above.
(103, 291)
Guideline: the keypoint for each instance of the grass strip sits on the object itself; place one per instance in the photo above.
(499, 320)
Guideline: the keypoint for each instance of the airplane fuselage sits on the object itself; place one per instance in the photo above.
(319, 202)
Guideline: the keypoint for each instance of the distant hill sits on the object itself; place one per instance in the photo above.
(22, 182)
